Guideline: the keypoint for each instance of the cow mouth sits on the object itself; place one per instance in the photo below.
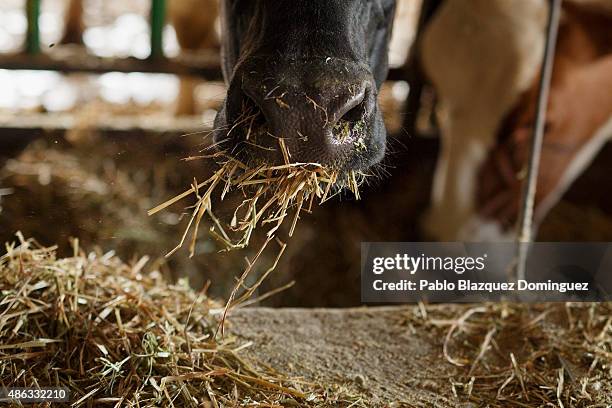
(351, 145)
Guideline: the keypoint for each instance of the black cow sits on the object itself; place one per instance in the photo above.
(306, 71)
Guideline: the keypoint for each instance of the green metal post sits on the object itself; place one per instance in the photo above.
(33, 34)
(158, 17)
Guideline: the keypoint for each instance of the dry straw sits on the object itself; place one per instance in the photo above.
(520, 355)
(271, 194)
(117, 336)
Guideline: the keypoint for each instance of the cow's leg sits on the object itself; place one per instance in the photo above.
(579, 122)
(480, 57)
(452, 214)
(453, 185)
(186, 101)
(73, 24)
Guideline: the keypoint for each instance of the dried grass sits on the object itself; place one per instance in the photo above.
(117, 336)
(555, 354)
(270, 195)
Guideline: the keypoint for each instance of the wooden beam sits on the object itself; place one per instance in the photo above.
(204, 65)
(108, 122)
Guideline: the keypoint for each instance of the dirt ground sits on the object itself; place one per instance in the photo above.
(393, 356)
(382, 359)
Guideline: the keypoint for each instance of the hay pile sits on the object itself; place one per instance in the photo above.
(115, 335)
(525, 355)
(103, 200)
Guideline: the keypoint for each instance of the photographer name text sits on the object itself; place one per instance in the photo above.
(422, 264)
(466, 285)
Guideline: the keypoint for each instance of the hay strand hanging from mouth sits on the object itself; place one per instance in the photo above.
(271, 193)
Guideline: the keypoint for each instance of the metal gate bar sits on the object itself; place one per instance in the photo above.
(158, 19)
(525, 226)
(32, 45)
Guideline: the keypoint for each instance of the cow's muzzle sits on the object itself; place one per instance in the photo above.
(322, 111)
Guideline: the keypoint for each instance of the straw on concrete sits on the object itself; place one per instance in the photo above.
(116, 335)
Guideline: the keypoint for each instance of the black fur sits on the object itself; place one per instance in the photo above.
(311, 71)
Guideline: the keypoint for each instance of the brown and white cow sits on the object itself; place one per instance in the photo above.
(483, 59)
(73, 23)
(194, 22)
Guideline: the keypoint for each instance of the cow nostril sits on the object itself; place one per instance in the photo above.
(351, 123)
(355, 114)
(354, 109)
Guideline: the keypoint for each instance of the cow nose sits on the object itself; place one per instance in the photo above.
(323, 123)
(353, 109)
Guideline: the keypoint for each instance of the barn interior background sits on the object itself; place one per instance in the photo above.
(92, 136)
(85, 154)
